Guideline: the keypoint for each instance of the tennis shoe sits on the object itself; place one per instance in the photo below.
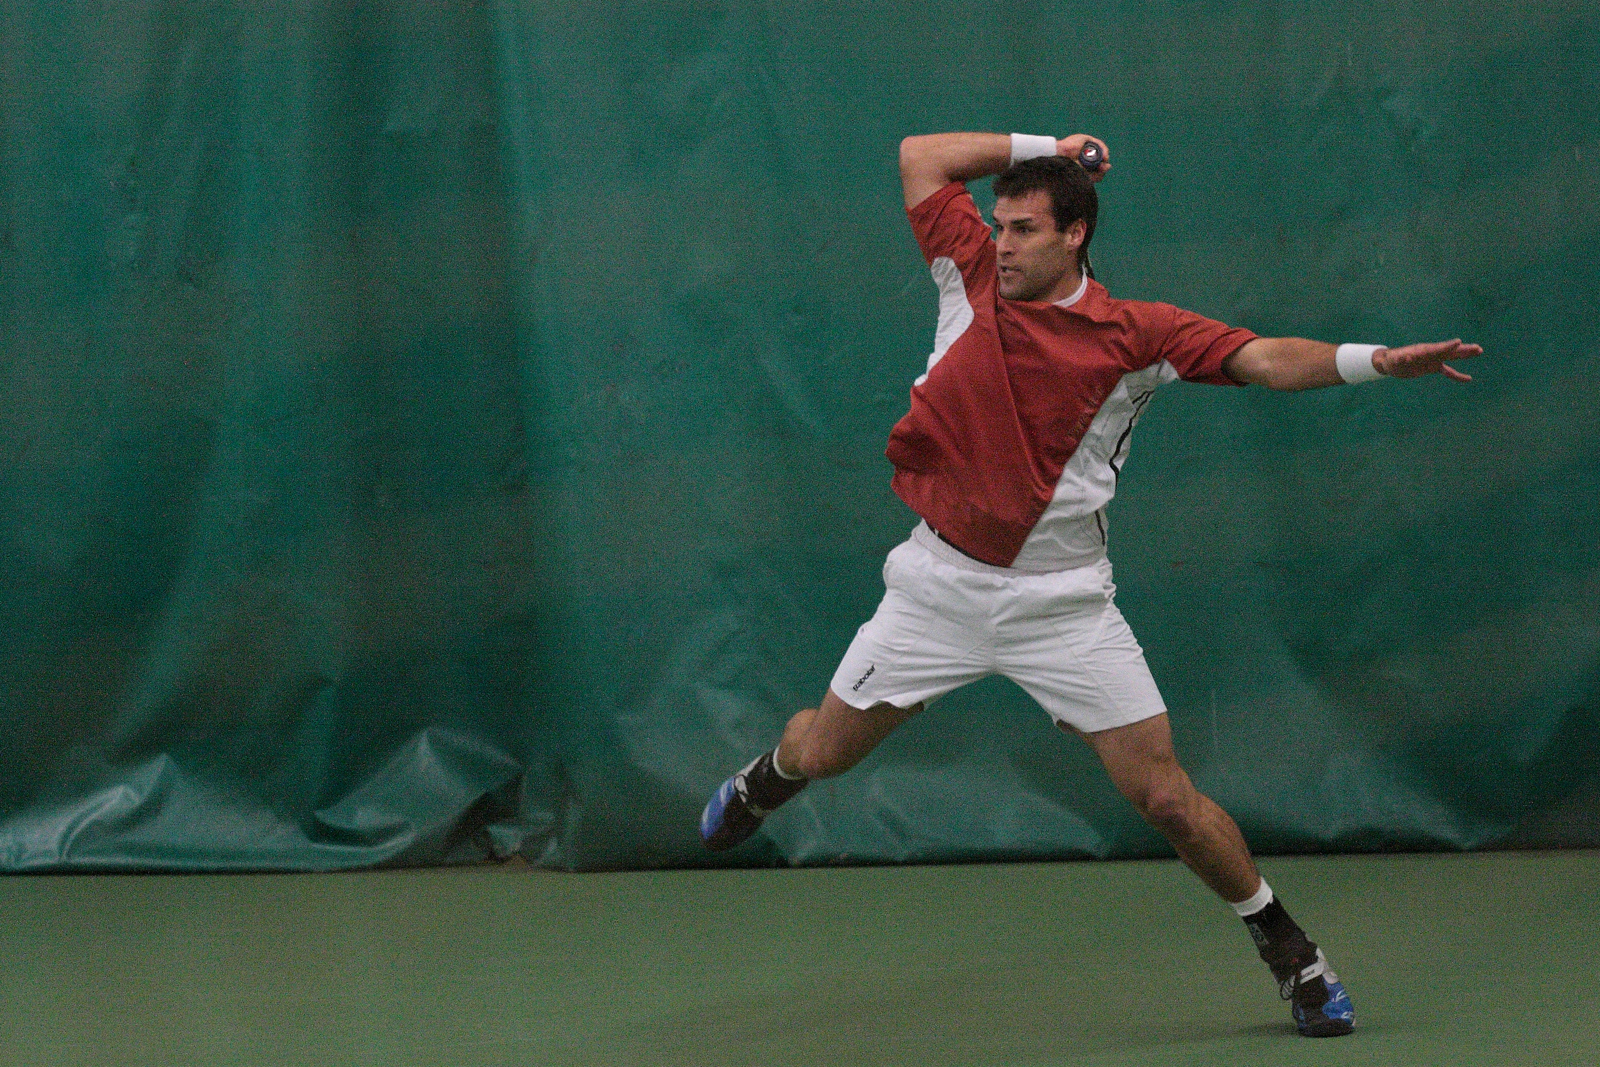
(1317, 1000)
(731, 817)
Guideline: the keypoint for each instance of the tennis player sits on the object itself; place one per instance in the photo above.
(1010, 453)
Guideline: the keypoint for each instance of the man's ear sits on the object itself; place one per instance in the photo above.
(1076, 232)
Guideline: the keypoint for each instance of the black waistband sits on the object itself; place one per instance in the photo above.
(961, 550)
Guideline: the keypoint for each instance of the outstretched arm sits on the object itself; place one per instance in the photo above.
(1294, 363)
(931, 162)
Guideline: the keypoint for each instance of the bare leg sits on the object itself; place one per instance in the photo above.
(829, 740)
(1144, 768)
(818, 743)
(1141, 762)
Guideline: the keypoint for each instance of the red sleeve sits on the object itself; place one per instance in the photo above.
(948, 224)
(1196, 346)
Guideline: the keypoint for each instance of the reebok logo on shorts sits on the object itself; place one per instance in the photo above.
(863, 679)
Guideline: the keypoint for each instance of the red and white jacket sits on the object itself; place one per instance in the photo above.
(1019, 428)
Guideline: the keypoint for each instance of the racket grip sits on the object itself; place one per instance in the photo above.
(1091, 156)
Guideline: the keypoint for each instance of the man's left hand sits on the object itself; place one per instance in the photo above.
(1413, 361)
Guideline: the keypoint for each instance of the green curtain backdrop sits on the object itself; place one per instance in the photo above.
(432, 430)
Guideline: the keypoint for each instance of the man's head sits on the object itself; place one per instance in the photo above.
(1044, 216)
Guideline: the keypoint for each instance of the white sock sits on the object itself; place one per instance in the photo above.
(779, 768)
(1247, 908)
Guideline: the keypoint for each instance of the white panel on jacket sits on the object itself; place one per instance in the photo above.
(1074, 525)
(955, 311)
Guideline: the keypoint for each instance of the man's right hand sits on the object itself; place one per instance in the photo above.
(1072, 146)
(932, 161)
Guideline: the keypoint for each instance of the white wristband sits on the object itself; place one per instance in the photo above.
(1030, 146)
(1355, 363)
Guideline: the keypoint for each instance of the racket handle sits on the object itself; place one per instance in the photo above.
(1091, 156)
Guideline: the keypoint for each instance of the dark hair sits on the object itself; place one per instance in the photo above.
(1072, 195)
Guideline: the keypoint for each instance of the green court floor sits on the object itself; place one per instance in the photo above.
(1452, 960)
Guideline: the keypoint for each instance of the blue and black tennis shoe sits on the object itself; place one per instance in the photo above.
(1318, 1001)
(730, 817)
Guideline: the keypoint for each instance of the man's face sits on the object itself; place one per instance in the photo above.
(1034, 257)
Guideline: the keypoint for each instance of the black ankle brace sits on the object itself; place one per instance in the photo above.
(766, 788)
(1283, 945)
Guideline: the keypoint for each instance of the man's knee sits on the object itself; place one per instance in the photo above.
(1172, 807)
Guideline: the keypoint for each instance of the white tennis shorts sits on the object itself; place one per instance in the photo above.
(947, 620)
